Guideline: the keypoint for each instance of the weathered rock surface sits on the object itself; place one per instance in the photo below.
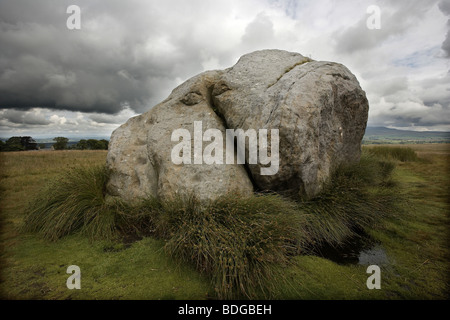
(140, 150)
(318, 107)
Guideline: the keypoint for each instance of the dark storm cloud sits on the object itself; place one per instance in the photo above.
(386, 118)
(396, 17)
(24, 118)
(119, 57)
(129, 55)
(444, 6)
(429, 106)
(436, 91)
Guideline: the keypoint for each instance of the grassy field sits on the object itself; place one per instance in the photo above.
(416, 244)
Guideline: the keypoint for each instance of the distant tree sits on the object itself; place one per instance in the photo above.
(81, 145)
(97, 144)
(61, 143)
(91, 144)
(42, 146)
(14, 144)
(19, 144)
(28, 143)
(105, 144)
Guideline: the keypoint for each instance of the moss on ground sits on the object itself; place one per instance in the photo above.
(32, 268)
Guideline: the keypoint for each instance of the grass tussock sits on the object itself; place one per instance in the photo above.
(73, 202)
(242, 243)
(357, 197)
(403, 154)
(238, 241)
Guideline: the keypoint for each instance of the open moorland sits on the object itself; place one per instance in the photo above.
(410, 245)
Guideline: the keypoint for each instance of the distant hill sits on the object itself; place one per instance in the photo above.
(382, 135)
(373, 135)
(47, 143)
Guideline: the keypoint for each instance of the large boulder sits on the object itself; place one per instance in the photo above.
(318, 108)
(139, 156)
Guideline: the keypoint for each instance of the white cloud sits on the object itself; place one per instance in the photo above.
(47, 123)
(128, 56)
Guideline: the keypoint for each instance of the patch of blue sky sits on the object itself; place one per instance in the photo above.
(419, 58)
(290, 7)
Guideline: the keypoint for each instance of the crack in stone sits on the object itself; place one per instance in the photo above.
(212, 105)
(289, 69)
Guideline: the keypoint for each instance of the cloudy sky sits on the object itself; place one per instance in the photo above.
(128, 55)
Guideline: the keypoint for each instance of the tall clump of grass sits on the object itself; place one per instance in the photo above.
(403, 154)
(357, 197)
(240, 242)
(73, 202)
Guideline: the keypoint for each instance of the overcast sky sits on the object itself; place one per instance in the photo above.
(128, 55)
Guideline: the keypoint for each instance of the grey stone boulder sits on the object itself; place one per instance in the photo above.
(318, 107)
(139, 156)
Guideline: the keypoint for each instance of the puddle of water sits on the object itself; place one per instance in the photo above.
(360, 249)
(375, 255)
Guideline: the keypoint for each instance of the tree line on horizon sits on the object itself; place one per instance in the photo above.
(61, 143)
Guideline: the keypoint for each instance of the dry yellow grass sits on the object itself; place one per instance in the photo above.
(32, 268)
(416, 244)
(23, 173)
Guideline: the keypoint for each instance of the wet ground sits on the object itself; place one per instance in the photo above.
(360, 249)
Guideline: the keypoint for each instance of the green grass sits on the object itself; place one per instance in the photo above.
(239, 242)
(74, 201)
(403, 154)
(258, 247)
(108, 271)
(357, 197)
(32, 267)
